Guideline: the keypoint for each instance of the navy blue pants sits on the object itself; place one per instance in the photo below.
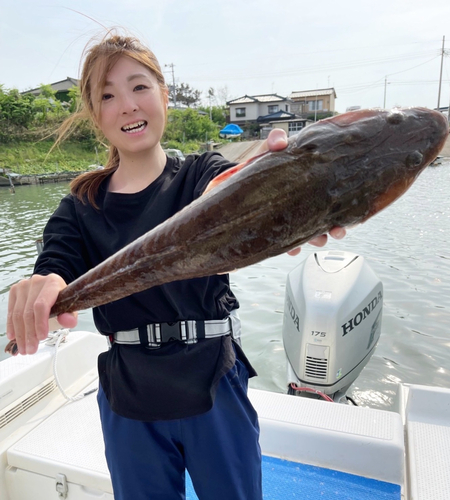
(220, 449)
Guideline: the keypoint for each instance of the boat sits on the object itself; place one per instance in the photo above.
(316, 444)
(437, 161)
(231, 131)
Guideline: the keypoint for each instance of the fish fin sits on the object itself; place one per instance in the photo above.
(224, 176)
(11, 348)
(230, 172)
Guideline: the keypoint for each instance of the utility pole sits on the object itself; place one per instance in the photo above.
(174, 91)
(440, 78)
(210, 95)
(315, 107)
(386, 83)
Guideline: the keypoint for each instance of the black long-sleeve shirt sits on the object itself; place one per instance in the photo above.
(176, 380)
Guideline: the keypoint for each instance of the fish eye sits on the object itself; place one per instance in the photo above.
(395, 117)
(414, 159)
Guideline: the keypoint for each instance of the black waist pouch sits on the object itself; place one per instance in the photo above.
(175, 381)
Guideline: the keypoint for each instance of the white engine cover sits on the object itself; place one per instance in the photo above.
(332, 320)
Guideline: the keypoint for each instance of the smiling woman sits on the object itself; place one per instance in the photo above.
(173, 386)
(132, 116)
(122, 88)
(181, 363)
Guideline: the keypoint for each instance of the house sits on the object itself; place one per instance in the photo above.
(61, 88)
(291, 126)
(258, 114)
(289, 122)
(248, 109)
(317, 102)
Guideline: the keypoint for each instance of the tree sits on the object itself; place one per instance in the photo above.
(74, 98)
(47, 105)
(218, 114)
(222, 96)
(47, 91)
(189, 125)
(187, 95)
(16, 110)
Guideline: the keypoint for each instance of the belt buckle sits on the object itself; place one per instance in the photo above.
(171, 331)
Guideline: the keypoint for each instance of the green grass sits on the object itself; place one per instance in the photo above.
(27, 158)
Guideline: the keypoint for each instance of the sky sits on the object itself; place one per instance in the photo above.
(381, 53)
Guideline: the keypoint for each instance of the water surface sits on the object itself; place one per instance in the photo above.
(407, 245)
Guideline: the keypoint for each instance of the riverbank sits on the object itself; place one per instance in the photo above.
(26, 165)
(38, 158)
(11, 180)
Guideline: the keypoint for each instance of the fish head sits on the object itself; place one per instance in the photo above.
(403, 133)
(374, 151)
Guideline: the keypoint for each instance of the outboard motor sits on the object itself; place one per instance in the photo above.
(332, 323)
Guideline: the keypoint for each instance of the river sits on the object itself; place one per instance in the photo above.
(407, 245)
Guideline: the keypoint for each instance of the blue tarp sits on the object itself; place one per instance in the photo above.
(231, 129)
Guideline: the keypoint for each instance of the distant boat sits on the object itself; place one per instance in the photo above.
(436, 162)
(231, 131)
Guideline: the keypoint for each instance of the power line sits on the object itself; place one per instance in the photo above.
(246, 56)
(360, 87)
(311, 69)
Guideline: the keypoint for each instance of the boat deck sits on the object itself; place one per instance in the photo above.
(312, 449)
(283, 479)
(69, 443)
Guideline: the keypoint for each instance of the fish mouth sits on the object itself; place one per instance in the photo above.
(132, 128)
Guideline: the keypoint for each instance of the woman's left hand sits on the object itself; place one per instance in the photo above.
(277, 141)
(319, 241)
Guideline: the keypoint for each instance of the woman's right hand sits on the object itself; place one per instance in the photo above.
(29, 305)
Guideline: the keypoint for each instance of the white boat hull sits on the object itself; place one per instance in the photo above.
(52, 445)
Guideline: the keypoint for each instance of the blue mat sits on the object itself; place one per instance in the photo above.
(283, 480)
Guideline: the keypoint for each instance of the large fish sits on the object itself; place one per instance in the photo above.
(337, 172)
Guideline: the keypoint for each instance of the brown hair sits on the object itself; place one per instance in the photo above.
(103, 55)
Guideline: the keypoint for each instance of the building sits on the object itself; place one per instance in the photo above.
(291, 126)
(61, 88)
(248, 109)
(258, 114)
(308, 102)
(289, 122)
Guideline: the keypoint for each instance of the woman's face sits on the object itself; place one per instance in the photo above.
(132, 112)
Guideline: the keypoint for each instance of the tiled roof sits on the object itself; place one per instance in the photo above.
(257, 98)
(242, 100)
(312, 93)
(279, 115)
(65, 84)
(58, 86)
